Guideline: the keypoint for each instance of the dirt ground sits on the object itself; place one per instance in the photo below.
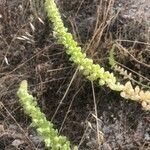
(29, 51)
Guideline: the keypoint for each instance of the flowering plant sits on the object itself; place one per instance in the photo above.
(90, 70)
(45, 128)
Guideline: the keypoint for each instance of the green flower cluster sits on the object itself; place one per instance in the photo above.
(90, 70)
(45, 128)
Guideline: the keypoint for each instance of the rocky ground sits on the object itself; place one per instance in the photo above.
(29, 51)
